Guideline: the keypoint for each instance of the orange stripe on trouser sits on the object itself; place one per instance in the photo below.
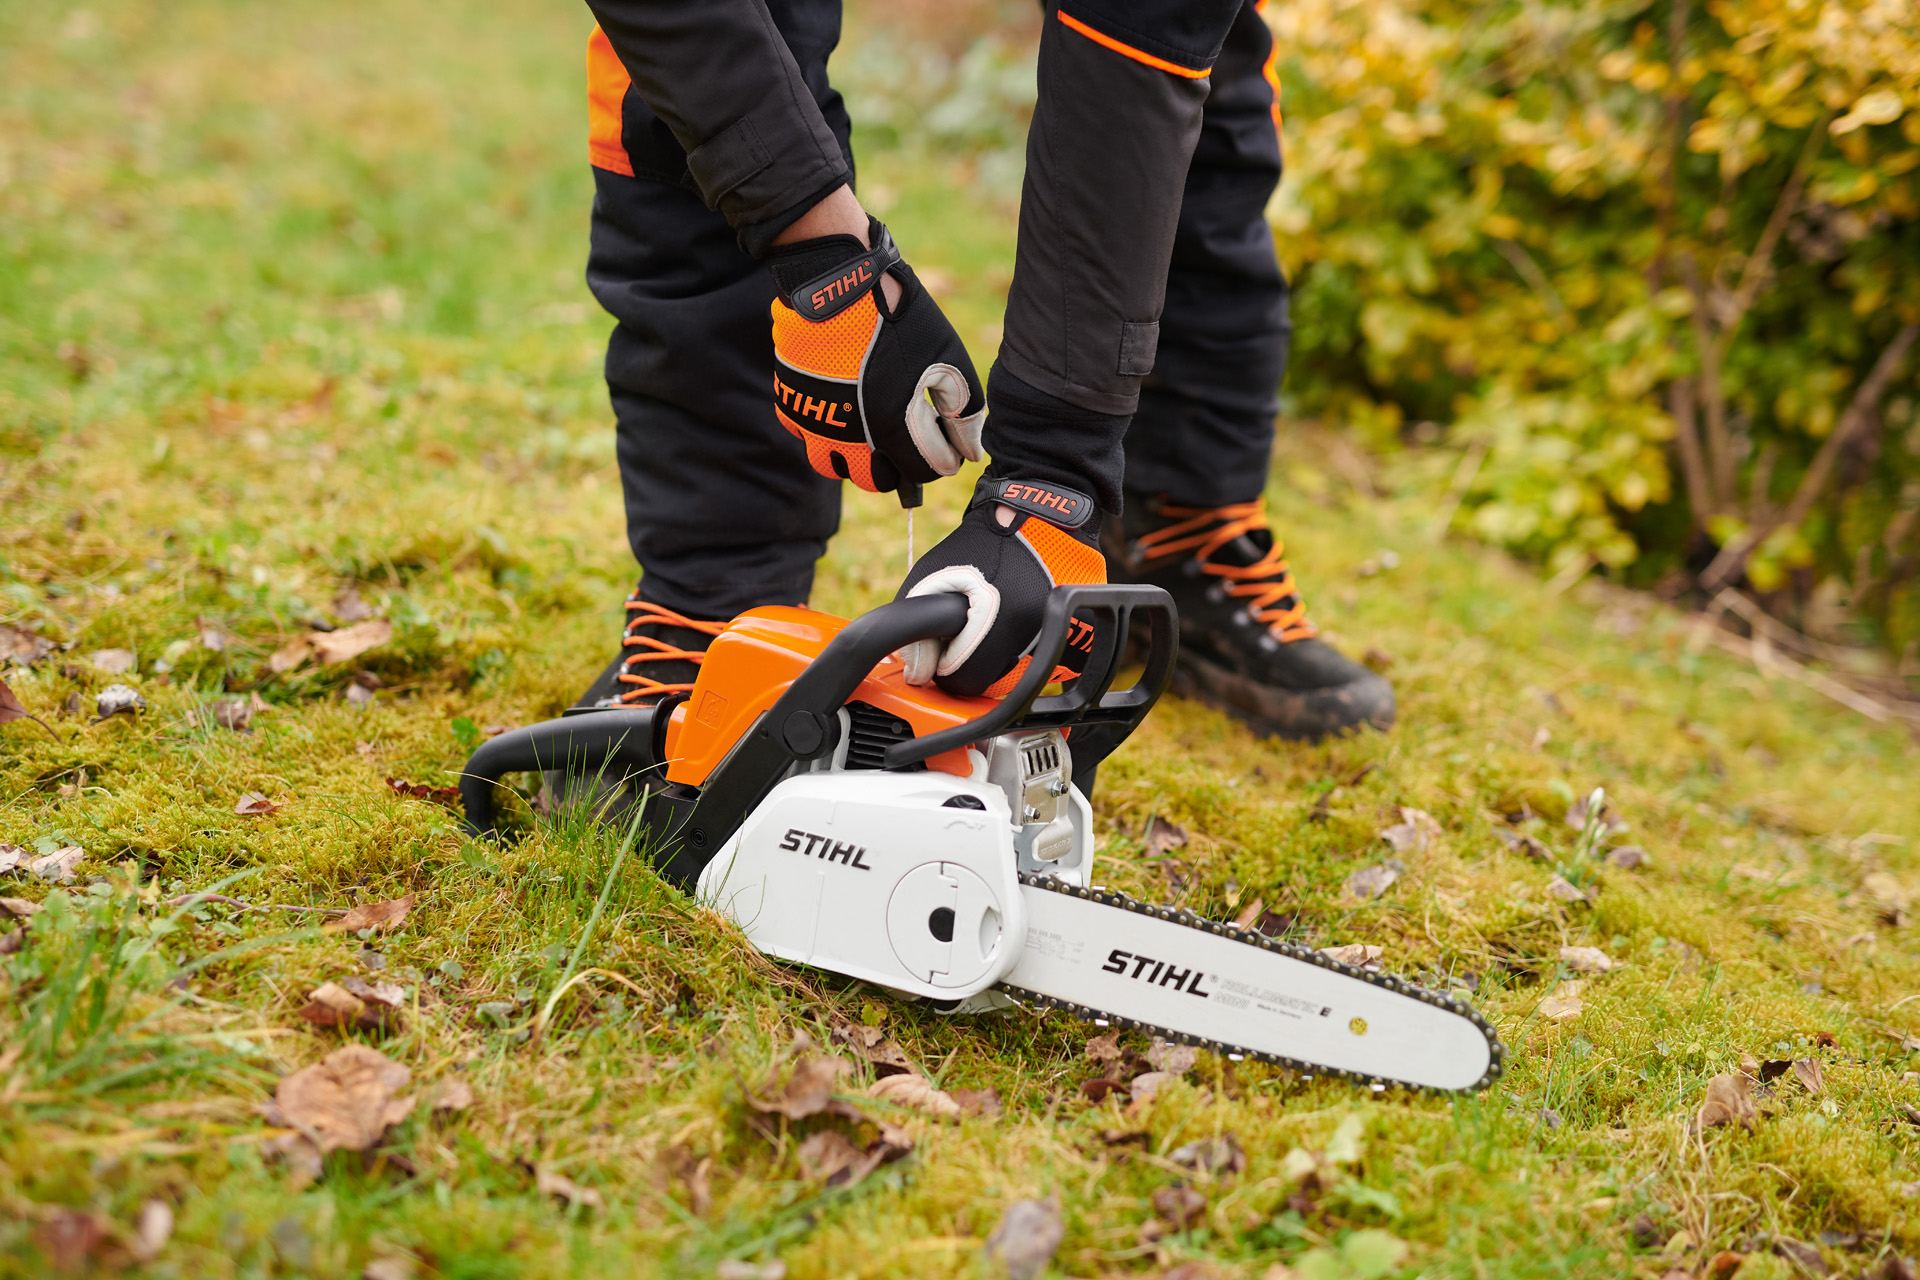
(607, 85)
(1128, 51)
(1066, 559)
(1271, 67)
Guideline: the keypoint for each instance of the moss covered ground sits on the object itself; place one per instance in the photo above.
(291, 316)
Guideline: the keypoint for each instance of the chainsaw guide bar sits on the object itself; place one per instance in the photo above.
(1456, 1050)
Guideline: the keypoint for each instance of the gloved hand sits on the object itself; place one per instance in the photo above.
(881, 397)
(1018, 540)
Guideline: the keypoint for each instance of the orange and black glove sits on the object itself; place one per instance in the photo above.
(1005, 568)
(884, 398)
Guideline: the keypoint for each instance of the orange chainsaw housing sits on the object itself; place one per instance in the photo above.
(750, 664)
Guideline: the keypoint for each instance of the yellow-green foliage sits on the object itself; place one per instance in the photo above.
(290, 302)
(1522, 219)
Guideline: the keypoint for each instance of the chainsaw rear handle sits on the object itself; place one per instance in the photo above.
(618, 742)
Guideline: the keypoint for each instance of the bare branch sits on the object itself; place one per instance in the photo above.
(1760, 264)
(1713, 399)
(1686, 438)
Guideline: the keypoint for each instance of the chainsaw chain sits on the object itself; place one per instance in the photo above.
(1181, 916)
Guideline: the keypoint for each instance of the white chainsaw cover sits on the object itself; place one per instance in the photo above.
(878, 876)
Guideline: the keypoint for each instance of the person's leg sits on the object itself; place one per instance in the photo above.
(723, 513)
(1198, 449)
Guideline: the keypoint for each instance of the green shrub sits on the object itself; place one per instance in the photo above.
(1657, 267)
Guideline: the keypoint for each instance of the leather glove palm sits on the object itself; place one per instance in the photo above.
(1006, 571)
(882, 397)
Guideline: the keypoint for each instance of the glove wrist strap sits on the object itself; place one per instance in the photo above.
(1054, 503)
(839, 287)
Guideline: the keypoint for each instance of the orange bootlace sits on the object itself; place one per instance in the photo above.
(1264, 583)
(644, 612)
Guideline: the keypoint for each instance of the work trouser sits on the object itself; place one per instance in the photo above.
(723, 512)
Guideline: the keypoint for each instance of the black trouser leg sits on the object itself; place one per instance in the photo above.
(723, 512)
(1203, 434)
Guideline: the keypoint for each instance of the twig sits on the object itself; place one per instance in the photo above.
(1761, 261)
(1719, 444)
(1536, 279)
(1769, 661)
(1686, 436)
(187, 898)
(1676, 127)
(1732, 559)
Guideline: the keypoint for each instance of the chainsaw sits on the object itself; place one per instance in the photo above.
(943, 846)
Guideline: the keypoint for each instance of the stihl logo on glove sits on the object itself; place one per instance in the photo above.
(880, 395)
(1063, 507)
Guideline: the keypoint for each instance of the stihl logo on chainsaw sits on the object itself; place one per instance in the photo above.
(809, 845)
(1155, 973)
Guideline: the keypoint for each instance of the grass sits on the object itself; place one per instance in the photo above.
(290, 304)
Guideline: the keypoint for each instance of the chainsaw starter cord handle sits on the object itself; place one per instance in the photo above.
(617, 741)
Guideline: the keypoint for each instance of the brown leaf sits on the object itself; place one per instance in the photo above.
(345, 1101)
(11, 709)
(1522, 843)
(1628, 857)
(254, 805)
(1723, 1264)
(916, 1091)
(566, 1190)
(828, 1157)
(1179, 1205)
(1801, 1252)
(1164, 834)
(330, 647)
(234, 714)
(13, 942)
(451, 1094)
(1027, 1235)
(117, 699)
(1357, 954)
(331, 1005)
(290, 655)
(1888, 895)
(1148, 1083)
(979, 1102)
(1097, 1089)
(1588, 960)
(691, 1172)
(1174, 1059)
(70, 1237)
(873, 1045)
(1564, 1004)
(12, 857)
(349, 607)
(151, 1230)
(299, 1154)
(1105, 1048)
(1729, 1100)
(449, 796)
(1370, 882)
(57, 866)
(1217, 1154)
(1140, 1138)
(22, 648)
(114, 662)
(1250, 913)
(807, 1090)
(386, 916)
(1807, 1072)
(1566, 891)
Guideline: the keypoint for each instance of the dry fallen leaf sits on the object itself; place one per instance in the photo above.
(1028, 1234)
(1179, 1205)
(566, 1190)
(290, 655)
(349, 607)
(1356, 954)
(691, 1172)
(1217, 1154)
(449, 796)
(452, 1094)
(113, 661)
(1627, 857)
(1807, 1072)
(117, 699)
(1148, 1083)
(19, 908)
(1564, 1004)
(807, 1090)
(234, 714)
(69, 1237)
(152, 1229)
(11, 709)
(1888, 895)
(330, 647)
(354, 1002)
(58, 866)
(1175, 1059)
(1587, 960)
(1250, 913)
(254, 805)
(391, 1267)
(1098, 1088)
(21, 647)
(872, 1044)
(346, 1101)
(1164, 834)
(1105, 1048)
(829, 1158)
(1521, 842)
(1729, 1099)
(386, 916)
(979, 1102)
(1370, 882)
(12, 857)
(916, 1091)
(1565, 890)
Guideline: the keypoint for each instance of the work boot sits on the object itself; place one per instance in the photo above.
(1246, 645)
(660, 653)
